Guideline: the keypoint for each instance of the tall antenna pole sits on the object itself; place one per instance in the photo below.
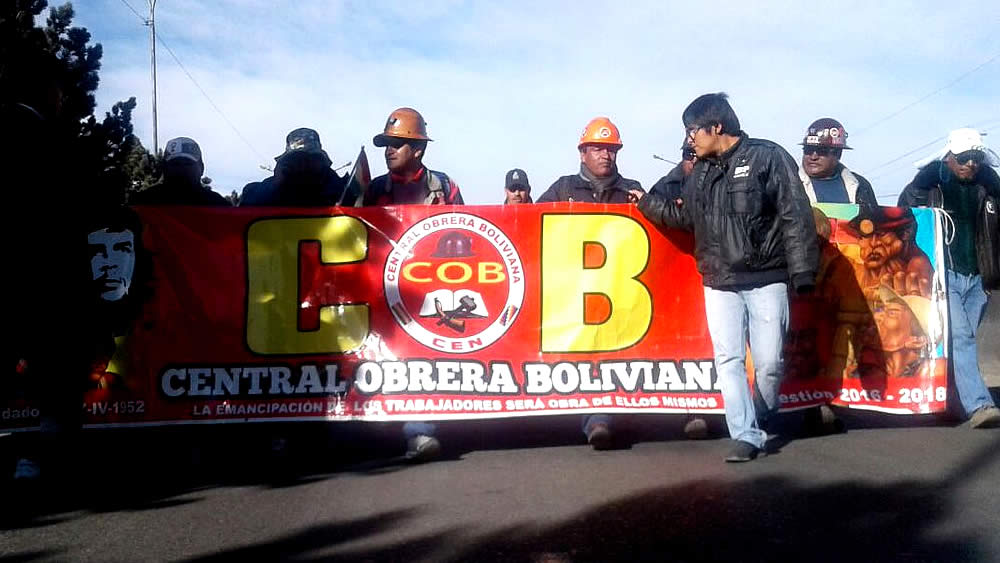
(151, 22)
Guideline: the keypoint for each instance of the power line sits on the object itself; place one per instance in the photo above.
(945, 87)
(137, 14)
(209, 98)
(177, 60)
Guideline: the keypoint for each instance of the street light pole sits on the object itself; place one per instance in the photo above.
(151, 22)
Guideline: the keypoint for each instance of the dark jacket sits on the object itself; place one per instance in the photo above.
(926, 191)
(670, 186)
(578, 188)
(427, 187)
(268, 192)
(163, 193)
(751, 219)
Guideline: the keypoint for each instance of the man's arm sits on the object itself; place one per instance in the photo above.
(798, 228)
(665, 212)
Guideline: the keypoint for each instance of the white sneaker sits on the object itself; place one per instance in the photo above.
(422, 448)
(27, 470)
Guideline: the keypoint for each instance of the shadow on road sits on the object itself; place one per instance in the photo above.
(760, 519)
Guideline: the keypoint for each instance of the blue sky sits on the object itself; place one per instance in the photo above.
(512, 84)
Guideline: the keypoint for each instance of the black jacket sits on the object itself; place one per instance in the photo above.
(751, 219)
(926, 191)
(163, 193)
(268, 192)
(670, 186)
(578, 188)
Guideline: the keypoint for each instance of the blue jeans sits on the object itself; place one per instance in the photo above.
(589, 420)
(412, 429)
(966, 306)
(762, 314)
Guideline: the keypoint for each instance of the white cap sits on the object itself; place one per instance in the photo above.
(182, 147)
(959, 141)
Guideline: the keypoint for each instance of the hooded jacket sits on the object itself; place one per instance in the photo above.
(926, 190)
(751, 219)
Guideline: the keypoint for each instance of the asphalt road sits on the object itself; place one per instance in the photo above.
(889, 489)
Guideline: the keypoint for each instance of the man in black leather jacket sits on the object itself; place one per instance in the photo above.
(754, 233)
(960, 180)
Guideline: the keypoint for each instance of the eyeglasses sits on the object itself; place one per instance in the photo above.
(818, 151)
(396, 142)
(689, 132)
(976, 157)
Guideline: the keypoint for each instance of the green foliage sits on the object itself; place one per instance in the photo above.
(106, 153)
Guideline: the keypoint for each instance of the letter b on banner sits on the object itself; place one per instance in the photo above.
(273, 297)
(568, 280)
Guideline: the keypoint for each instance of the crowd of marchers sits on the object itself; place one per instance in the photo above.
(746, 200)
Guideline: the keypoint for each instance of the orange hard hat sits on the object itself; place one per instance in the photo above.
(600, 131)
(404, 123)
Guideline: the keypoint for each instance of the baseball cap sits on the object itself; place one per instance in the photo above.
(517, 177)
(303, 141)
(959, 141)
(182, 147)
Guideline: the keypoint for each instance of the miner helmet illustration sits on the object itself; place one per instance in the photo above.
(454, 245)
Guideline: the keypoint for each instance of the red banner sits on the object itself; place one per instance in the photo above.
(422, 313)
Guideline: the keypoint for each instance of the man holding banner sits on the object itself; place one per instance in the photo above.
(960, 180)
(410, 182)
(754, 234)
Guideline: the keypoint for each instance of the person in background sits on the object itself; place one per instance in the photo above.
(960, 179)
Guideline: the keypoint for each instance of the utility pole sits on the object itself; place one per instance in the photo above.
(151, 22)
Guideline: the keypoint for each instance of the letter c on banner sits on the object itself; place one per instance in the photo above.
(567, 281)
(273, 272)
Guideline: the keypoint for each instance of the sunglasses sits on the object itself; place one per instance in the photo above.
(818, 151)
(396, 142)
(975, 157)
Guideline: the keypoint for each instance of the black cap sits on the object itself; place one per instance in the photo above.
(303, 141)
(517, 177)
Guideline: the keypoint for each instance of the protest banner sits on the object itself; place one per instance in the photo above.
(428, 313)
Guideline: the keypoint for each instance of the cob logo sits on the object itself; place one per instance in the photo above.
(454, 282)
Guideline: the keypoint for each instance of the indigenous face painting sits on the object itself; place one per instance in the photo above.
(112, 262)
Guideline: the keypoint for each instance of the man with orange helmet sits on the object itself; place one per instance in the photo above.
(825, 179)
(409, 181)
(598, 180)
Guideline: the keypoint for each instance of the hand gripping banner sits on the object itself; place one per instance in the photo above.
(426, 313)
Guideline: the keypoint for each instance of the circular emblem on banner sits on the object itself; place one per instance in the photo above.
(454, 282)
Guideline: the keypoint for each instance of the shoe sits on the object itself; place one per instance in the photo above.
(422, 448)
(696, 429)
(27, 470)
(986, 417)
(599, 437)
(742, 451)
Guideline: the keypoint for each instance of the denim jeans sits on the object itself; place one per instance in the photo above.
(589, 420)
(966, 306)
(412, 429)
(761, 314)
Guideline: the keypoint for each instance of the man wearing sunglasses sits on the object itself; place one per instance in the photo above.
(409, 181)
(960, 180)
(754, 237)
(825, 179)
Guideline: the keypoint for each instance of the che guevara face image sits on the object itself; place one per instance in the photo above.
(112, 262)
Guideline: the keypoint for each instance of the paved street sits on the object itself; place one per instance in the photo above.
(888, 489)
(891, 488)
